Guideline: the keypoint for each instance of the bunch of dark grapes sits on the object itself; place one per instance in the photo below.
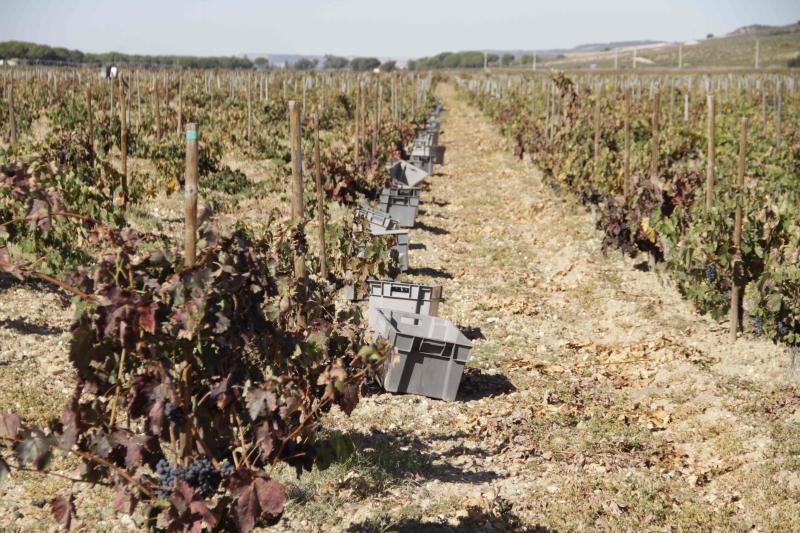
(167, 475)
(202, 475)
(711, 273)
(174, 413)
(783, 329)
(758, 322)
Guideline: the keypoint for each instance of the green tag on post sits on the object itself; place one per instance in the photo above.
(191, 135)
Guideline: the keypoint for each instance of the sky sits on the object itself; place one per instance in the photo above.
(400, 28)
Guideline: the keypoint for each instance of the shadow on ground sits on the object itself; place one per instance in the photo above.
(431, 229)
(388, 456)
(476, 385)
(430, 272)
(23, 326)
(476, 520)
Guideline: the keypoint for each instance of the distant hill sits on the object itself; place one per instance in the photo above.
(776, 46)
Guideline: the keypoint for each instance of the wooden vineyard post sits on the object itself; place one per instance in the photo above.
(111, 96)
(626, 165)
(778, 98)
(90, 121)
(323, 263)
(190, 196)
(376, 133)
(180, 104)
(297, 196)
(654, 145)
(249, 112)
(157, 110)
(711, 159)
(686, 106)
(123, 141)
(12, 118)
(737, 290)
(138, 102)
(357, 149)
(596, 164)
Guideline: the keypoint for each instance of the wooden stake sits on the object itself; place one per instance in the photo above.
(323, 264)
(190, 196)
(778, 98)
(12, 118)
(357, 149)
(376, 133)
(249, 112)
(90, 121)
(123, 141)
(656, 126)
(626, 165)
(157, 111)
(597, 136)
(711, 159)
(297, 195)
(737, 291)
(180, 104)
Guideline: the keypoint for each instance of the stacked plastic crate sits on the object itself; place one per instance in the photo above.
(430, 352)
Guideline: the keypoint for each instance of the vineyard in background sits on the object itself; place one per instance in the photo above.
(666, 161)
(200, 365)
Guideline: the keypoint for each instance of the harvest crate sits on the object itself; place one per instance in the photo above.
(430, 354)
(403, 209)
(378, 220)
(400, 296)
(402, 191)
(406, 174)
(423, 163)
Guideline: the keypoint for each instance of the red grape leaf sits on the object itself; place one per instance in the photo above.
(62, 509)
(124, 501)
(9, 425)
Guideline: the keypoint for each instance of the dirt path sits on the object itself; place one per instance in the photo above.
(596, 397)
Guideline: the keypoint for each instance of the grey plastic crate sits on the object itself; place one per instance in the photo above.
(403, 209)
(378, 220)
(430, 354)
(402, 191)
(400, 296)
(424, 163)
(407, 174)
(437, 154)
(401, 245)
(420, 150)
(426, 136)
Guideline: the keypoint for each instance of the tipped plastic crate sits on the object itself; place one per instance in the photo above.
(407, 174)
(430, 354)
(403, 209)
(400, 296)
(378, 220)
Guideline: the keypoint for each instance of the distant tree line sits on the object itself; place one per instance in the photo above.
(41, 53)
(357, 63)
(469, 60)
(452, 60)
